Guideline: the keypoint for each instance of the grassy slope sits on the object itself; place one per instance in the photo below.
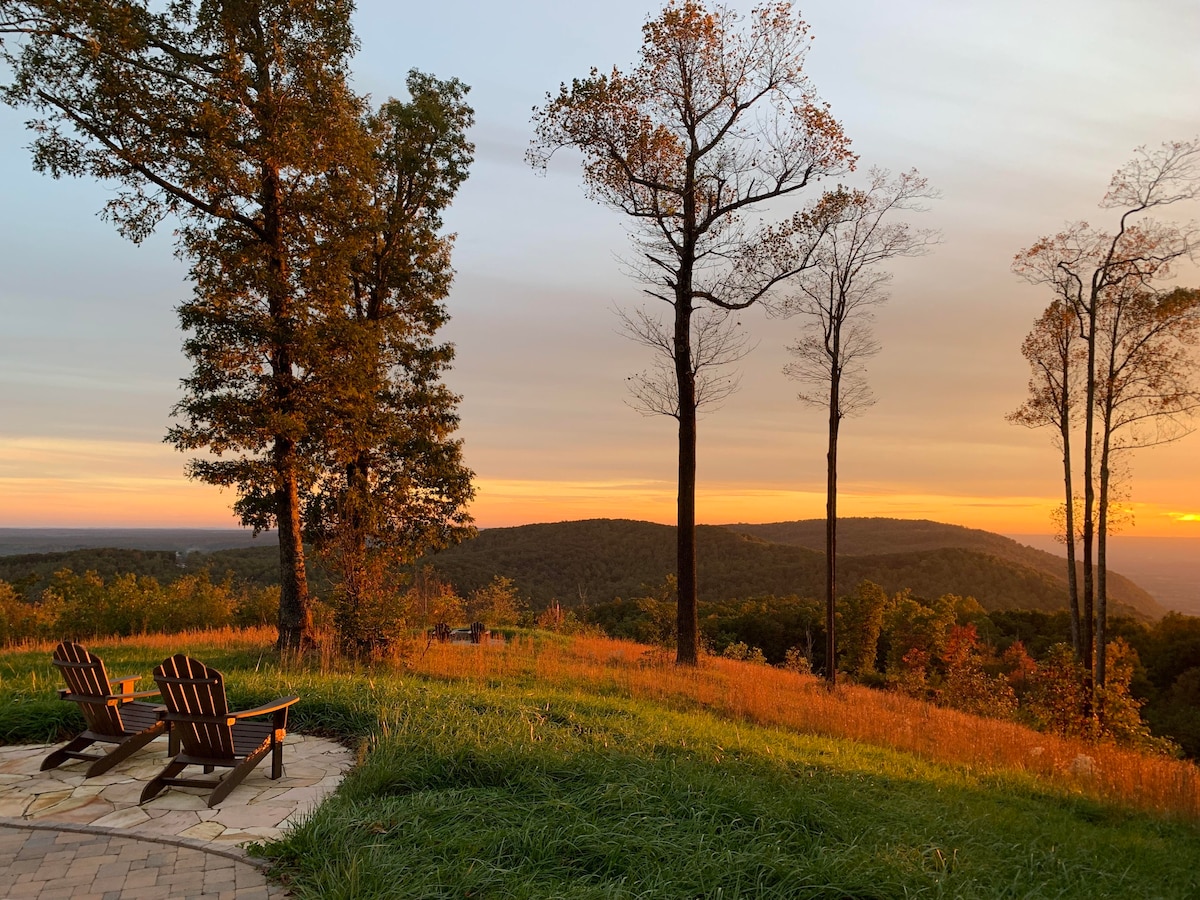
(508, 773)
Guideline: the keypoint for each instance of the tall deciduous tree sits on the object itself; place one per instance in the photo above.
(1146, 387)
(1112, 282)
(712, 122)
(835, 296)
(225, 115)
(313, 233)
(390, 481)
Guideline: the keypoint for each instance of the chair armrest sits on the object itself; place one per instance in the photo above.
(130, 679)
(135, 695)
(106, 699)
(197, 719)
(118, 699)
(274, 706)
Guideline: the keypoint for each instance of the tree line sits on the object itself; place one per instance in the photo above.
(1008, 663)
(86, 605)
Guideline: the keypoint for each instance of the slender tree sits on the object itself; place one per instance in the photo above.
(1052, 350)
(1096, 275)
(391, 484)
(835, 296)
(1146, 390)
(713, 122)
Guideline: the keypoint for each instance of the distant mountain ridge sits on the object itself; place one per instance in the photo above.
(15, 541)
(595, 560)
(865, 536)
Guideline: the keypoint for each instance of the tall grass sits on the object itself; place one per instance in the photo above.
(802, 703)
(586, 666)
(552, 767)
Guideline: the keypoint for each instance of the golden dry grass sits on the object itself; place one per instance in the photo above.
(802, 703)
(772, 697)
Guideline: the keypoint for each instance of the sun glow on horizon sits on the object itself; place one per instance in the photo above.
(115, 483)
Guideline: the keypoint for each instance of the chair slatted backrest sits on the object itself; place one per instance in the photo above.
(88, 685)
(191, 689)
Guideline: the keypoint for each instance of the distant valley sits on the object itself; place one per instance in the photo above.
(595, 560)
(1168, 568)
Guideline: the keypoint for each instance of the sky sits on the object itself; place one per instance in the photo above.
(1017, 111)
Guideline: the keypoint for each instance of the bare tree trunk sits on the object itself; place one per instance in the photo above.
(687, 612)
(1069, 524)
(1102, 557)
(1089, 511)
(831, 536)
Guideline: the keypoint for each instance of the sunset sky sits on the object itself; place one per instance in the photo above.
(1018, 111)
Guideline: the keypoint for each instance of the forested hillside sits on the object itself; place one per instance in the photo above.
(30, 573)
(874, 536)
(598, 559)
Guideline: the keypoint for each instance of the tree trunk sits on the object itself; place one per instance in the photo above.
(1089, 510)
(1072, 574)
(688, 617)
(831, 536)
(1102, 549)
(295, 616)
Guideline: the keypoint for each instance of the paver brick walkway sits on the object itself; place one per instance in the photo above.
(44, 862)
(64, 836)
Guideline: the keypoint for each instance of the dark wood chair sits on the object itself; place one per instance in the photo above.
(440, 632)
(112, 716)
(209, 734)
(477, 632)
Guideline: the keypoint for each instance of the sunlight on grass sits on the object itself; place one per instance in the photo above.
(801, 703)
(589, 666)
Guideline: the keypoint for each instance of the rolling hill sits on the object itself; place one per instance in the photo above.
(873, 536)
(596, 560)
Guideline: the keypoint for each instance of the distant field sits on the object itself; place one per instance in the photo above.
(1168, 568)
(14, 541)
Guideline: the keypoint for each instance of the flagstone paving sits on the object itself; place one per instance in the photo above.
(62, 835)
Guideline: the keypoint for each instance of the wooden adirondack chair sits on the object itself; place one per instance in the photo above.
(112, 717)
(210, 734)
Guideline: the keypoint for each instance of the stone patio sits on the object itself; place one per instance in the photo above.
(258, 809)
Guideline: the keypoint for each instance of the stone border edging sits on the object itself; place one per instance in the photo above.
(231, 853)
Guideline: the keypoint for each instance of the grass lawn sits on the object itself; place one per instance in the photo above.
(482, 776)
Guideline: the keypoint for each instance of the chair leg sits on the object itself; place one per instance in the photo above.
(155, 786)
(122, 751)
(235, 776)
(276, 759)
(67, 751)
